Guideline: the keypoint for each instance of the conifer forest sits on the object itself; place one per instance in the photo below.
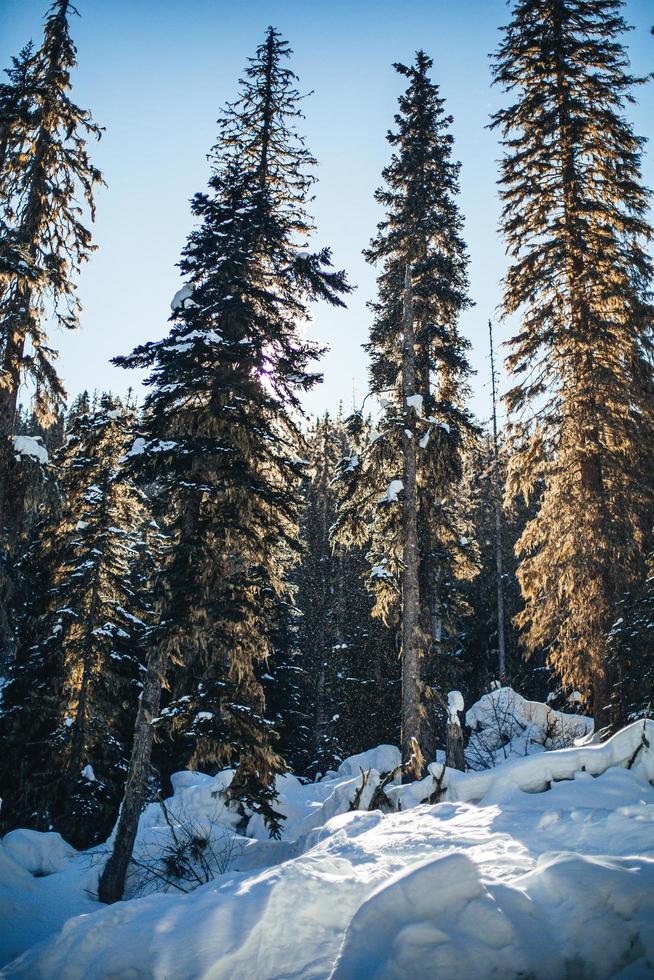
(363, 691)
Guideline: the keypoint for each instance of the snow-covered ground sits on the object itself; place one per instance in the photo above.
(541, 867)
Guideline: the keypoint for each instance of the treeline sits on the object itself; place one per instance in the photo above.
(205, 580)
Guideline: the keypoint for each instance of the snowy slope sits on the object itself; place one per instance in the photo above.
(530, 881)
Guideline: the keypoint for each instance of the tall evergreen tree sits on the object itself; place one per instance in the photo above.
(46, 179)
(221, 438)
(70, 705)
(419, 552)
(575, 219)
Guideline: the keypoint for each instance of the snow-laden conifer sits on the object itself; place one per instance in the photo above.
(221, 438)
(70, 704)
(46, 182)
(409, 469)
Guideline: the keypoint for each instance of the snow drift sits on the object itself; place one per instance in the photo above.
(542, 867)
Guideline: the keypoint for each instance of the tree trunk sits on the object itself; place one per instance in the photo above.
(601, 700)
(454, 756)
(10, 506)
(112, 880)
(501, 649)
(319, 730)
(266, 129)
(411, 686)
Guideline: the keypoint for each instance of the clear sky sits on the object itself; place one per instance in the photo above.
(154, 73)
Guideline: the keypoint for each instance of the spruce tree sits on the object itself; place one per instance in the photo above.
(70, 705)
(221, 438)
(408, 473)
(575, 220)
(45, 179)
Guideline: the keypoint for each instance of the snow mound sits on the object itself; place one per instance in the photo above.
(309, 806)
(633, 747)
(383, 758)
(505, 725)
(39, 854)
(30, 447)
(541, 867)
(450, 890)
(569, 910)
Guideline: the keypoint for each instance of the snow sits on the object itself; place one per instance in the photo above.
(542, 866)
(506, 725)
(141, 446)
(39, 854)
(454, 706)
(383, 758)
(137, 448)
(30, 447)
(182, 299)
(43, 882)
(415, 402)
(394, 488)
(569, 909)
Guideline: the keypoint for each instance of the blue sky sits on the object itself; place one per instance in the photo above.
(154, 73)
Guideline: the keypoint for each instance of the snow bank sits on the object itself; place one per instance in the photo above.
(30, 447)
(631, 747)
(472, 891)
(312, 805)
(383, 758)
(543, 865)
(505, 725)
(198, 833)
(39, 854)
(43, 882)
(569, 910)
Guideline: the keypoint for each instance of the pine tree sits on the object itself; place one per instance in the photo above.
(419, 551)
(71, 701)
(45, 177)
(575, 222)
(497, 494)
(45, 173)
(221, 438)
